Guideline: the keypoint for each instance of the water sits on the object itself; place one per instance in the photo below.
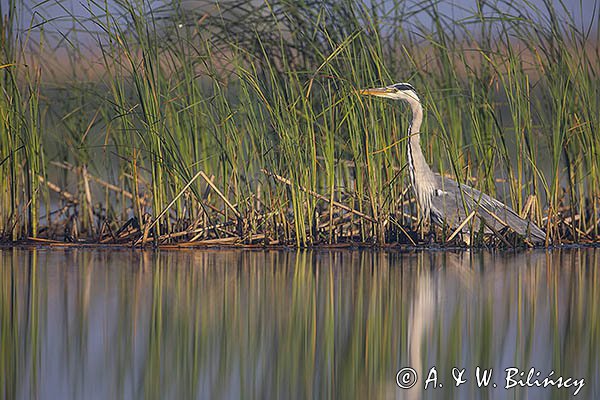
(108, 324)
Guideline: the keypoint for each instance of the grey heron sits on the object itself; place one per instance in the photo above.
(444, 201)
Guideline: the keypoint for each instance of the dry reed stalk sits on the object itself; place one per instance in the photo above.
(319, 196)
(462, 225)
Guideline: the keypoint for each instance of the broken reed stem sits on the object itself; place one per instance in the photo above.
(498, 234)
(166, 209)
(218, 192)
(197, 232)
(319, 196)
(55, 188)
(461, 226)
(397, 224)
(101, 182)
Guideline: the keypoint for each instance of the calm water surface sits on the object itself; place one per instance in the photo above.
(106, 324)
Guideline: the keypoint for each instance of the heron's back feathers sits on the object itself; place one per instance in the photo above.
(452, 203)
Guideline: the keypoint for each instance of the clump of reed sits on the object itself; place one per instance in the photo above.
(244, 126)
(22, 164)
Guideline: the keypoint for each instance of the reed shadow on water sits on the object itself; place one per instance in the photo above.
(310, 324)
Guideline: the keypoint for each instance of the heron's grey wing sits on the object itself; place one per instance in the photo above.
(447, 208)
(452, 203)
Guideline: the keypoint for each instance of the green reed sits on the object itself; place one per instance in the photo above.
(265, 105)
(21, 155)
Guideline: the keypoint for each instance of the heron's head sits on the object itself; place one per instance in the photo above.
(397, 91)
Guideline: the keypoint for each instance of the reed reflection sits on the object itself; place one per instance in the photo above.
(279, 324)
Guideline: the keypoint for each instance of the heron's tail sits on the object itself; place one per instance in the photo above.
(506, 216)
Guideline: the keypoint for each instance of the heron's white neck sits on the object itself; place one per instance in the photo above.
(423, 179)
(414, 140)
(415, 125)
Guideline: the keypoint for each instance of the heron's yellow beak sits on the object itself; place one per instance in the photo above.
(379, 92)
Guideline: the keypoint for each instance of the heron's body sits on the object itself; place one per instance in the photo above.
(443, 200)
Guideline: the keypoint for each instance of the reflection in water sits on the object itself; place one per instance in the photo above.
(104, 324)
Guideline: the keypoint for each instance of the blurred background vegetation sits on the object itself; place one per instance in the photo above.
(239, 122)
